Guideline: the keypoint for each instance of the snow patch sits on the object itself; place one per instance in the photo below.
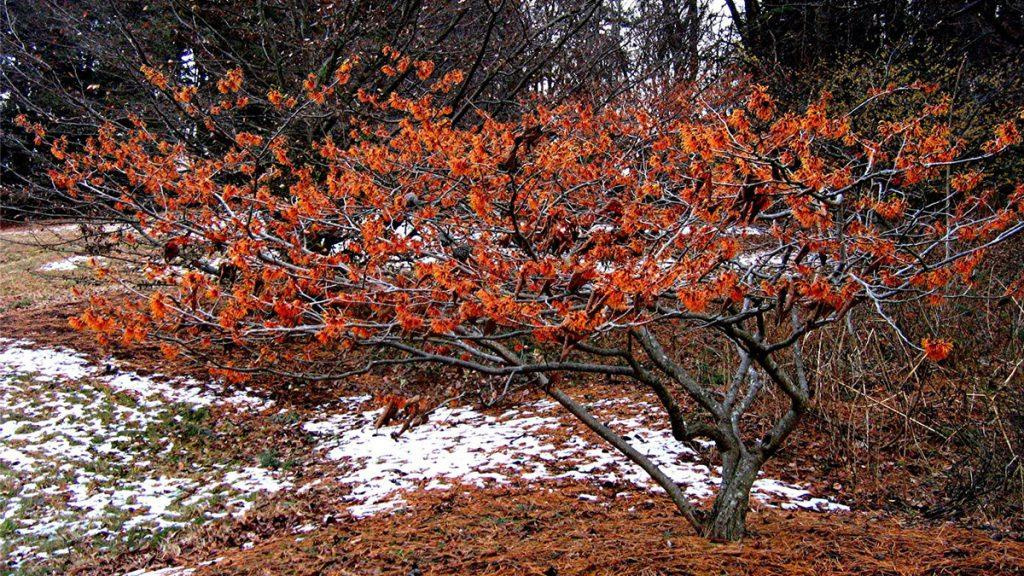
(68, 264)
(61, 364)
(45, 363)
(170, 571)
(81, 449)
(468, 446)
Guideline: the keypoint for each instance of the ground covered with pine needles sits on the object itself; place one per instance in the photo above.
(537, 530)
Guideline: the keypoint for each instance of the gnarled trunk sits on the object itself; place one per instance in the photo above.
(728, 517)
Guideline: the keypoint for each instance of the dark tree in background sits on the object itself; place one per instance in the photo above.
(800, 34)
(970, 46)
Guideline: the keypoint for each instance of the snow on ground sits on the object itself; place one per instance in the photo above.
(19, 357)
(462, 444)
(162, 572)
(87, 456)
(68, 264)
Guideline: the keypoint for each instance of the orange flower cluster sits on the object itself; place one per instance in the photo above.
(936, 350)
(565, 224)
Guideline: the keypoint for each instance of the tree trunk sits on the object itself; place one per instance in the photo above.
(728, 518)
(677, 495)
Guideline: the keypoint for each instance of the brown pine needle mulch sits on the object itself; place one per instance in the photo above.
(542, 532)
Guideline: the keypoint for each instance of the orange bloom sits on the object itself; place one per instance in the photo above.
(154, 77)
(936, 350)
(424, 68)
(231, 82)
(248, 139)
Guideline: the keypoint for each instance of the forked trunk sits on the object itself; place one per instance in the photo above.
(728, 516)
(727, 520)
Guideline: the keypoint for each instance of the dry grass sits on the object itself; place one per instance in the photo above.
(23, 251)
